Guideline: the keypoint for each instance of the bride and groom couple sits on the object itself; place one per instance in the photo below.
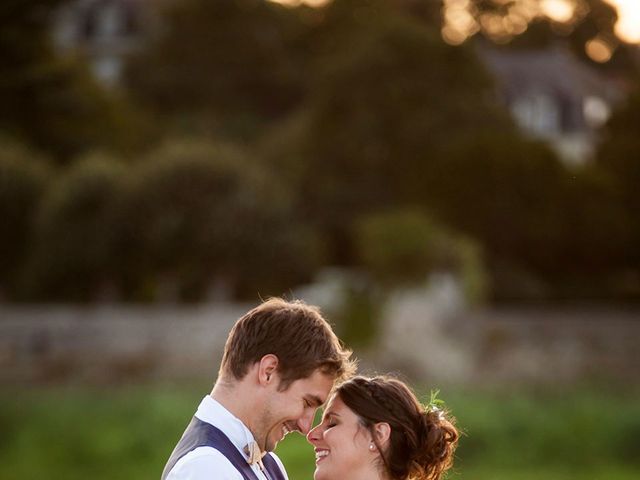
(281, 362)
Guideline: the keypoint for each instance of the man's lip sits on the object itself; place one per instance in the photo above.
(287, 428)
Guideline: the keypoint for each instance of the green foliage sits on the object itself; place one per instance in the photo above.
(23, 181)
(72, 258)
(50, 102)
(196, 213)
(538, 222)
(399, 249)
(191, 216)
(373, 125)
(574, 431)
(403, 247)
(600, 219)
(222, 66)
(79, 433)
(361, 108)
(380, 131)
(619, 157)
(504, 192)
(593, 18)
(359, 314)
(104, 433)
(435, 403)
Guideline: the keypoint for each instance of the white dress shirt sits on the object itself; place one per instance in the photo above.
(207, 463)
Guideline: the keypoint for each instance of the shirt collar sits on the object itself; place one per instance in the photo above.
(212, 412)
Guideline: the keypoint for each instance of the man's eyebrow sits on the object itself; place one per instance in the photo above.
(314, 400)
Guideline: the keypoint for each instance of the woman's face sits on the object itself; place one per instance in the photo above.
(342, 444)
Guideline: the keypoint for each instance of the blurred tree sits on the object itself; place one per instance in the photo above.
(402, 247)
(600, 222)
(51, 102)
(619, 156)
(597, 240)
(380, 111)
(399, 249)
(596, 20)
(547, 230)
(530, 24)
(73, 254)
(220, 67)
(395, 117)
(504, 191)
(23, 181)
(198, 214)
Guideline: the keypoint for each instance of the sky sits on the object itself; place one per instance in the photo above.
(627, 28)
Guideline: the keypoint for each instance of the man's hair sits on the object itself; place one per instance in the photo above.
(294, 332)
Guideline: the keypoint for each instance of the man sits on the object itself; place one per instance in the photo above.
(280, 362)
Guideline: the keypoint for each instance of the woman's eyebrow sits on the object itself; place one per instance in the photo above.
(329, 413)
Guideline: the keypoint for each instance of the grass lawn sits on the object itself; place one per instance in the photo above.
(68, 433)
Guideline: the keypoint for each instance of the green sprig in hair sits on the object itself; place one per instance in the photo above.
(436, 405)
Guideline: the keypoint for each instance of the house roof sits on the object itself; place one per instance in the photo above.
(554, 70)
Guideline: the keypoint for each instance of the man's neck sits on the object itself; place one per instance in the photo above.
(240, 404)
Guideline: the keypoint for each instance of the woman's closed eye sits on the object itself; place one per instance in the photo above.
(330, 422)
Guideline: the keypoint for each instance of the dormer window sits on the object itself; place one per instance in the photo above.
(596, 111)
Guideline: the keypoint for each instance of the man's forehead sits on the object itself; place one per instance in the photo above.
(317, 386)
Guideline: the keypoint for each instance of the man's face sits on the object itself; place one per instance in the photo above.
(292, 409)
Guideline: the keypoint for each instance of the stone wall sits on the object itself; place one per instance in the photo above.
(112, 343)
(512, 345)
(421, 337)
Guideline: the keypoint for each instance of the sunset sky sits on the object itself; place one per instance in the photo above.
(627, 28)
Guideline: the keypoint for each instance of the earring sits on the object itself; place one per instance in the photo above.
(372, 447)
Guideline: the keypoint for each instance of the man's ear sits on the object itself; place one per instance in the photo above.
(267, 369)
(382, 433)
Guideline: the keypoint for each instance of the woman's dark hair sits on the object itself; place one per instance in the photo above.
(422, 440)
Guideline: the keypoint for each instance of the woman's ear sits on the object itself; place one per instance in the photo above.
(382, 432)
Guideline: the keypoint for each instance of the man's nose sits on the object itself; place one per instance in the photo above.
(306, 421)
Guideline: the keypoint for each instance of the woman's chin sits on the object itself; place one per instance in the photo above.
(320, 474)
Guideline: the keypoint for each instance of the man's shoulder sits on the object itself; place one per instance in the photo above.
(199, 463)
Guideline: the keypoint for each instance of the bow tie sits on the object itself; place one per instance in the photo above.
(255, 454)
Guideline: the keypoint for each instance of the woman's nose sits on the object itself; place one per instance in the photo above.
(313, 435)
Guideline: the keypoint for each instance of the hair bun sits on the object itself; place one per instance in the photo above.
(437, 441)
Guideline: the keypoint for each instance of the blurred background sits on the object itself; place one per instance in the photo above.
(455, 183)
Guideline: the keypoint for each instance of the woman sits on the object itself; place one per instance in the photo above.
(375, 428)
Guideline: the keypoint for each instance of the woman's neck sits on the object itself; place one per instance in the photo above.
(371, 472)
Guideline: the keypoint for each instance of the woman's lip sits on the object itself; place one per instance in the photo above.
(320, 457)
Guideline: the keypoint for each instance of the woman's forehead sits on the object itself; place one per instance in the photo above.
(335, 405)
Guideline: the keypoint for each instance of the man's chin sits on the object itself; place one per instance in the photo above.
(271, 445)
(272, 442)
